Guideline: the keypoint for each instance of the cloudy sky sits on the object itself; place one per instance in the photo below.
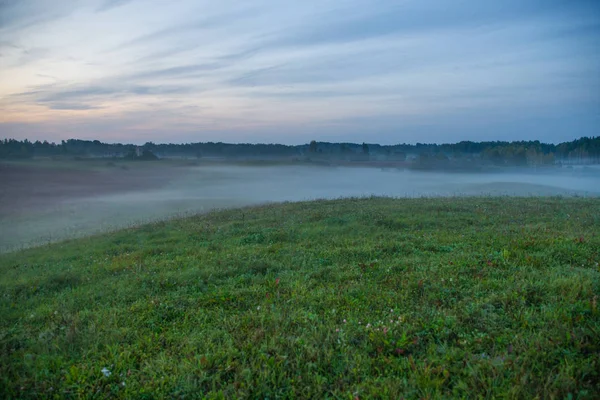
(387, 71)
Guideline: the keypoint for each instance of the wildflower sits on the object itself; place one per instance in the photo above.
(123, 383)
(337, 330)
(258, 308)
(368, 325)
(106, 372)
(392, 310)
(344, 321)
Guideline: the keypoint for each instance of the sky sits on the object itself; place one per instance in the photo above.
(266, 71)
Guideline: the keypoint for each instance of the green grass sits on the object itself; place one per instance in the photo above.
(367, 298)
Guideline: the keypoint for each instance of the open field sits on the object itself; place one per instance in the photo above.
(44, 201)
(357, 298)
(34, 186)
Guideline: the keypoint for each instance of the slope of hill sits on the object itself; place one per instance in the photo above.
(354, 298)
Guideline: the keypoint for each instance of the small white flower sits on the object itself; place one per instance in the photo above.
(344, 321)
(392, 310)
(106, 372)
(123, 383)
(258, 308)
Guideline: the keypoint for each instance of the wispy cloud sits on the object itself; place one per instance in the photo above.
(196, 26)
(406, 18)
(61, 97)
(72, 106)
(18, 15)
(181, 71)
(110, 4)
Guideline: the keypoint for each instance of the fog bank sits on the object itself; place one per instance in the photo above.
(202, 188)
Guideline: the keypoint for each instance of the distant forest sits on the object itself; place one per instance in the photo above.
(585, 150)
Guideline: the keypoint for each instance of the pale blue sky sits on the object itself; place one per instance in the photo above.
(289, 71)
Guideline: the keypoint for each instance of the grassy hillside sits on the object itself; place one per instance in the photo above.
(415, 298)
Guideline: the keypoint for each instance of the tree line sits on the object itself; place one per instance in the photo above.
(583, 150)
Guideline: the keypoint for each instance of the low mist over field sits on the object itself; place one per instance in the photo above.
(44, 203)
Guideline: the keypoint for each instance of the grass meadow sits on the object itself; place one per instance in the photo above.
(481, 297)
